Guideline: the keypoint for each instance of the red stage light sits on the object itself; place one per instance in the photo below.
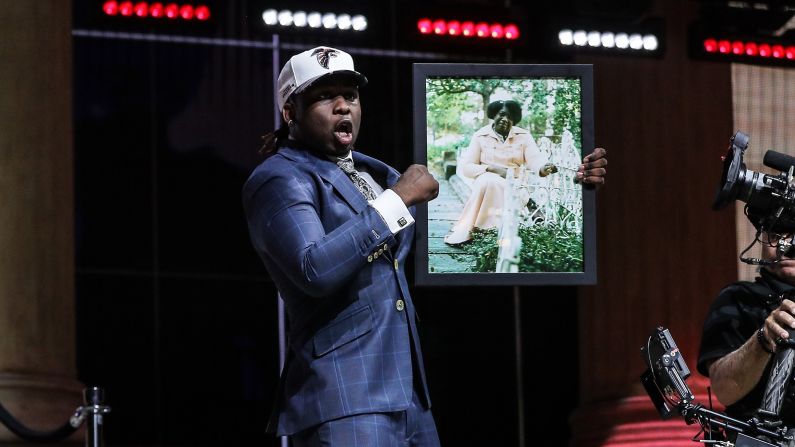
(751, 49)
(126, 9)
(482, 29)
(186, 12)
(468, 29)
(724, 46)
(496, 31)
(156, 10)
(424, 25)
(511, 31)
(790, 52)
(439, 27)
(111, 8)
(141, 9)
(710, 45)
(764, 50)
(172, 11)
(778, 51)
(453, 28)
(202, 12)
(738, 47)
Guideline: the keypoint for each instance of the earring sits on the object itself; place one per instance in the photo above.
(290, 123)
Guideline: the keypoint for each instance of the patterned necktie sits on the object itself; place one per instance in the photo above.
(361, 184)
(778, 380)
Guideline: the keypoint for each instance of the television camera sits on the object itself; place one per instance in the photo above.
(769, 198)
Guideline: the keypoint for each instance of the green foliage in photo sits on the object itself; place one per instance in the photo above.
(545, 248)
(457, 107)
(435, 151)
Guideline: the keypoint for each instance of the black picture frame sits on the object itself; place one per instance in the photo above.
(561, 225)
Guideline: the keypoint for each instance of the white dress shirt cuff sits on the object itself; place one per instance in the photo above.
(393, 211)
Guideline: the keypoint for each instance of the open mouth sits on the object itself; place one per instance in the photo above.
(343, 132)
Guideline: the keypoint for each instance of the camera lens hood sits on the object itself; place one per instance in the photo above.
(732, 166)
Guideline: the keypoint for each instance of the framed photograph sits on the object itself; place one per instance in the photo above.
(505, 143)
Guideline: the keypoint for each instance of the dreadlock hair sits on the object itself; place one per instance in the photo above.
(271, 141)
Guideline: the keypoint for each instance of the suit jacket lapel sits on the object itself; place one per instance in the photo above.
(377, 168)
(343, 184)
(330, 172)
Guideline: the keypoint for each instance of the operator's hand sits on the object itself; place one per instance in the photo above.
(416, 185)
(592, 170)
(547, 169)
(780, 323)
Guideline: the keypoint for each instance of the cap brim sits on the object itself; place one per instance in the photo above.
(357, 79)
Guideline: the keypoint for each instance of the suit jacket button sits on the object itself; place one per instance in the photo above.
(380, 251)
(370, 258)
(400, 305)
(396, 264)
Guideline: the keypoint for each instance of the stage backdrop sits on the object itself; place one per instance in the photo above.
(764, 109)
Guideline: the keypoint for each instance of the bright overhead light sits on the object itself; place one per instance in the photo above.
(608, 40)
(594, 39)
(299, 19)
(636, 41)
(622, 40)
(313, 19)
(285, 18)
(566, 37)
(580, 38)
(359, 22)
(344, 21)
(329, 21)
(650, 42)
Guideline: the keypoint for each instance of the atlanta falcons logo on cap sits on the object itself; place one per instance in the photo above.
(324, 55)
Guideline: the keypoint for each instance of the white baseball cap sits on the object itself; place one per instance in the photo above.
(305, 68)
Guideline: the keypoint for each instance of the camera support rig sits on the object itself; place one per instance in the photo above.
(664, 381)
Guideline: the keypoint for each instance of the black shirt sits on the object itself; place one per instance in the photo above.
(736, 314)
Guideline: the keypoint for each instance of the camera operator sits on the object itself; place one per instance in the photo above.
(739, 334)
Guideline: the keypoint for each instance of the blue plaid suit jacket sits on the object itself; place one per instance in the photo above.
(341, 272)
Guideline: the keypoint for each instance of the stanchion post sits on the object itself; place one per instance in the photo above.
(96, 409)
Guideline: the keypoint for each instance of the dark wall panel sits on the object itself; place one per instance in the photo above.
(176, 316)
(165, 136)
(113, 155)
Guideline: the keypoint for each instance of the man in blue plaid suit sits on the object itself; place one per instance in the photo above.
(334, 236)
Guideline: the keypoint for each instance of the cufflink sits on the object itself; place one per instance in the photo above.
(402, 222)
